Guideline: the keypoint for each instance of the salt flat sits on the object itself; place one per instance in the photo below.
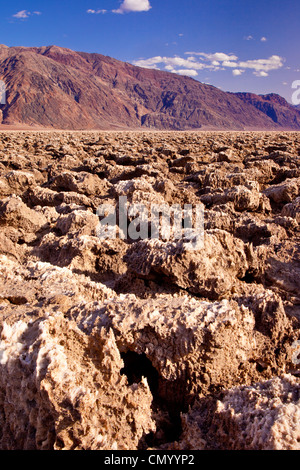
(144, 344)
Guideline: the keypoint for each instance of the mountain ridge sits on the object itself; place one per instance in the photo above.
(57, 88)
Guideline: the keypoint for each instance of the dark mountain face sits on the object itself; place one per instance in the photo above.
(58, 88)
(275, 107)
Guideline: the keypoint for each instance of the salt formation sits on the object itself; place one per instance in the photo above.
(143, 344)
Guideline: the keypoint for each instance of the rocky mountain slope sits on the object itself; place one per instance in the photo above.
(58, 88)
(142, 344)
(274, 106)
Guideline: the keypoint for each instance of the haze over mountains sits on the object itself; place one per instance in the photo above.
(58, 88)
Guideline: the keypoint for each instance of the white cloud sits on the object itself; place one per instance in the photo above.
(148, 63)
(185, 72)
(22, 14)
(274, 62)
(188, 73)
(228, 63)
(217, 56)
(261, 73)
(170, 63)
(237, 72)
(263, 39)
(187, 67)
(95, 12)
(213, 62)
(189, 63)
(128, 6)
(25, 14)
(249, 38)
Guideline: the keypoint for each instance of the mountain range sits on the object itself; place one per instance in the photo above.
(57, 88)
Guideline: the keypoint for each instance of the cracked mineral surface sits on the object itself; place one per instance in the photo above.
(140, 344)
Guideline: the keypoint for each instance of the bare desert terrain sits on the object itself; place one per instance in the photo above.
(128, 345)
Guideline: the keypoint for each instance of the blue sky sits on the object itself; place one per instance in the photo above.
(236, 45)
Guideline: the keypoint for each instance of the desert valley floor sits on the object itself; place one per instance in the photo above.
(128, 345)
